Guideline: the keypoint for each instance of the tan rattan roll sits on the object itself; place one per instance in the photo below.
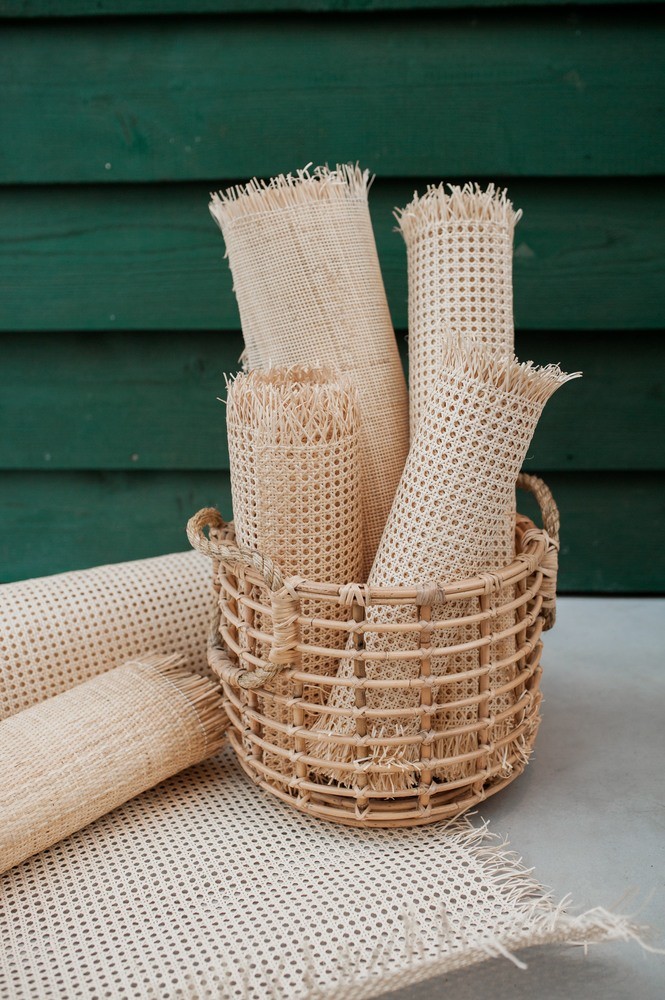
(309, 287)
(451, 508)
(295, 460)
(71, 759)
(459, 243)
(58, 631)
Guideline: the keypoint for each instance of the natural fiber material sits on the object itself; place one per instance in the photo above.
(307, 278)
(459, 244)
(75, 757)
(58, 631)
(207, 887)
(295, 460)
(450, 510)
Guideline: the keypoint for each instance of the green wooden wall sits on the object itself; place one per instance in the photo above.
(117, 317)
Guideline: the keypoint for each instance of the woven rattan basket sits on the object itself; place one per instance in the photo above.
(247, 583)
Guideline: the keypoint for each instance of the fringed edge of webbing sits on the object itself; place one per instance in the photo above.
(202, 695)
(297, 406)
(445, 204)
(344, 182)
(539, 921)
(535, 383)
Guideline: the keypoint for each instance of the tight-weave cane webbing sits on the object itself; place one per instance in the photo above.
(71, 759)
(307, 278)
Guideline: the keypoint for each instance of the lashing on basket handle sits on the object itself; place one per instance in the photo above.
(283, 599)
(551, 525)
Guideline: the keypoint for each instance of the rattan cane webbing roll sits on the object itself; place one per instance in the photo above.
(307, 278)
(449, 515)
(295, 460)
(459, 243)
(71, 759)
(58, 631)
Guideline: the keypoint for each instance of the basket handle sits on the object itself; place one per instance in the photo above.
(283, 599)
(551, 524)
(228, 551)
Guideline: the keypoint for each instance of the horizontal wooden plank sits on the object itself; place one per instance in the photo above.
(612, 537)
(149, 401)
(589, 255)
(100, 8)
(523, 93)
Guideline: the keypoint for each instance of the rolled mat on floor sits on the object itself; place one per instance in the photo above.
(294, 455)
(307, 278)
(73, 758)
(480, 419)
(58, 631)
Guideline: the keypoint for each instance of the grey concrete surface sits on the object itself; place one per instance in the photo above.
(589, 812)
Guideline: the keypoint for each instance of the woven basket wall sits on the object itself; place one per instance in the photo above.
(503, 738)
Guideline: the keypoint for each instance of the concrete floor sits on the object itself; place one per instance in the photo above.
(589, 812)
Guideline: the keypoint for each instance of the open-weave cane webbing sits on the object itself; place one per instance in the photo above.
(75, 757)
(460, 256)
(451, 510)
(57, 631)
(207, 887)
(459, 243)
(294, 451)
(307, 278)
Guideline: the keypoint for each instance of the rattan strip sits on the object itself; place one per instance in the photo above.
(70, 759)
(294, 449)
(307, 278)
(58, 631)
(478, 427)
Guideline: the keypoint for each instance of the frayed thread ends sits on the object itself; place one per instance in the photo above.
(296, 406)
(535, 383)
(450, 204)
(202, 695)
(344, 182)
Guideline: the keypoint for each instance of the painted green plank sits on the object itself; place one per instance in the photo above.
(49, 522)
(150, 401)
(589, 256)
(524, 93)
(95, 8)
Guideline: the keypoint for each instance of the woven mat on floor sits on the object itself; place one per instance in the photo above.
(206, 887)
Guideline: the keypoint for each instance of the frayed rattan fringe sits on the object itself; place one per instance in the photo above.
(443, 204)
(299, 405)
(345, 182)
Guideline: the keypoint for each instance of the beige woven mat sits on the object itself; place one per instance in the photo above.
(57, 631)
(206, 887)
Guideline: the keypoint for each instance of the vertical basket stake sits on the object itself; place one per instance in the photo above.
(361, 751)
(484, 662)
(425, 615)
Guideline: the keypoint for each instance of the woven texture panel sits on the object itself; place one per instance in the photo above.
(57, 631)
(205, 887)
(479, 422)
(75, 757)
(309, 288)
(459, 243)
(294, 450)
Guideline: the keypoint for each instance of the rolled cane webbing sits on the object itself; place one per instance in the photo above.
(71, 759)
(460, 258)
(459, 243)
(58, 631)
(295, 460)
(450, 511)
(307, 278)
